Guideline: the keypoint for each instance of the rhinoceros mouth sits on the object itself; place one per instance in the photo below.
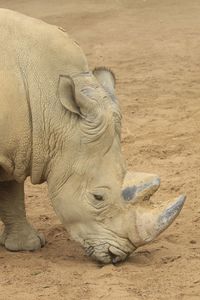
(117, 255)
(106, 253)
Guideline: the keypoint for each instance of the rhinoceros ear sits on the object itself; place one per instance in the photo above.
(66, 94)
(107, 79)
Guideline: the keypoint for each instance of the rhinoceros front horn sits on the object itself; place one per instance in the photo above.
(148, 222)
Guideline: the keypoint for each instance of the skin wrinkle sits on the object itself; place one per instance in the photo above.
(41, 122)
(26, 88)
(59, 146)
(96, 127)
(108, 137)
(96, 134)
(48, 135)
(56, 143)
(45, 131)
(96, 211)
(108, 149)
(104, 112)
(108, 231)
(60, 186)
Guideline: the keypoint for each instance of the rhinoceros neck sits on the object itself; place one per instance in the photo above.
(49, 119)
(43, 115)
(50, 124)
(37, 158)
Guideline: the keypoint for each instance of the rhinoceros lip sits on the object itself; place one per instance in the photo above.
(117, 255)
(112, 253)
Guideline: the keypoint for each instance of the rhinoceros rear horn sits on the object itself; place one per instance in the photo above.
(138, 187)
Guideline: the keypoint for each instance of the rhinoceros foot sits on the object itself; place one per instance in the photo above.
(22, 238)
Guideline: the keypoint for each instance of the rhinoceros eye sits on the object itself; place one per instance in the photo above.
(98, 197)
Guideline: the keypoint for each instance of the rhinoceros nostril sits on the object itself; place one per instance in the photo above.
(114, 258)
(89, 250)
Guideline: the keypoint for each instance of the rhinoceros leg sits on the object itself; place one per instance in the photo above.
(18, 233)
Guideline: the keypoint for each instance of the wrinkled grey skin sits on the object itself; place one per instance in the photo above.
(61, 123)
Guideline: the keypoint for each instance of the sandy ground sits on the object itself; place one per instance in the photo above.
(153, 47)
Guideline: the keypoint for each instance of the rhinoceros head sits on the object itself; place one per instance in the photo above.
(103, 206)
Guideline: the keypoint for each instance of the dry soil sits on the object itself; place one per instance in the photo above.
(153, 47)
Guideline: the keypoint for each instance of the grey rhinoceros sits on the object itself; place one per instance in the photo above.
(61, 123)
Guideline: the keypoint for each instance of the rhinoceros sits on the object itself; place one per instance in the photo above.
(60, 122)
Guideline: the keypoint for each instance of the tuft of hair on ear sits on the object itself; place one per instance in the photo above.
(105, 69)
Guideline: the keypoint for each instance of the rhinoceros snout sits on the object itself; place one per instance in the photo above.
(105, 253)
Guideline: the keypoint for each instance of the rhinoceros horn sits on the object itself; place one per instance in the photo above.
(148, 222)
(139, 187)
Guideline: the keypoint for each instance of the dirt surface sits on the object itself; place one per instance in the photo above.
(154, 49)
